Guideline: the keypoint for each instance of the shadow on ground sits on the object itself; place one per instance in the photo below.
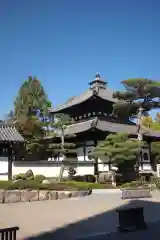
(98, 223)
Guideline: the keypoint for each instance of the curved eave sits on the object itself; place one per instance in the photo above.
(105, 94)
(105, 126)
(116, 127)
(8, 133)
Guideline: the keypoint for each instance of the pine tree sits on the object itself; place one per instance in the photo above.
(139, 92)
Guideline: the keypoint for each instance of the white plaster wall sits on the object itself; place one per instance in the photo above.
(50, 171)
(3, 168)
(82, 170)
(3, 165)
(158, 170)
(102, 167)
(4, 177)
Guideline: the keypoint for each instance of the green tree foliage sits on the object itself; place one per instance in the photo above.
(30, 107)
(156, 123)
(139, 92)
(118, 150)
(147, 122)
(31, 97)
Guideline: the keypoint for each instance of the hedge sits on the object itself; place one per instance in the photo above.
(67, 185)
(89, 185)
(30, 184)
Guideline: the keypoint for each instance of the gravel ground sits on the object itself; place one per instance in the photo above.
(72, 218)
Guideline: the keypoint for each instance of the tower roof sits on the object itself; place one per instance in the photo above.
(98, 82)
(97, 88)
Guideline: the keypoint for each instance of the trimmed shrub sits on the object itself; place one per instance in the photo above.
(68, 185)
(85, 178)
(18, 176)
(22, 176)
(134, 184)
(78, 178)
(5, 184)
(39, 178)
(88, 185)
(89, 178)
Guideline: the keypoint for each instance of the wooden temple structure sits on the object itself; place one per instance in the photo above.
(10, 143)
(93, 120)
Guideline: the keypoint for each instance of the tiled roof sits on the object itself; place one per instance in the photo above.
(9, 133)
(107, 126)
(104, 93)
(104, 126)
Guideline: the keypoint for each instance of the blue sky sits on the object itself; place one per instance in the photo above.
(64, 43)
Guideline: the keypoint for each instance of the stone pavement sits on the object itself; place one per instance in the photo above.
(72, 218)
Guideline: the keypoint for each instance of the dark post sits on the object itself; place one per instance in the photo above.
(131, 219)
(10, 156)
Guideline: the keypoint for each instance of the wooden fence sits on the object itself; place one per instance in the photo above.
(8, 233)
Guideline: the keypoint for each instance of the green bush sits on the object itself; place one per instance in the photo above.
(18, 176)
(88, 185)
(39, 178)
(22, 176)
(134, 184)
(68, 185)
(5, 184)
(84, 178)
(30, 178)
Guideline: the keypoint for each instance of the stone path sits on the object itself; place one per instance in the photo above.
(68, 219)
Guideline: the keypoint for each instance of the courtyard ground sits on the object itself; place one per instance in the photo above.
(72, 218)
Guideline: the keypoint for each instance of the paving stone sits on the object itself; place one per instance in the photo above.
(29, 196)
(43, 195)
(53, 195)
(11, 196)
(2, 196)
(64, 194)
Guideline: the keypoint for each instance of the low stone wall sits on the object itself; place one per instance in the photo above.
(12, 196)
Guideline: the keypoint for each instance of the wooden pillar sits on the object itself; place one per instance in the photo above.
(11, 155)
(96, 170)
(84, 151)
(9, 162)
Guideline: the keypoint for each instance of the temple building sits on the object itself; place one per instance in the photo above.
(93, 121)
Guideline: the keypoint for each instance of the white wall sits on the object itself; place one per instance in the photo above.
(3, 164)
(49, 171)
(3, 168)
(52, 171)
(82, 170)
(158, 170)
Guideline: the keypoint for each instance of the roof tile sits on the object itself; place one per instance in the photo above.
(9, 133)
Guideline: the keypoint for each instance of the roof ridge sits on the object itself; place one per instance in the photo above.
(59, 106)
(106, 94)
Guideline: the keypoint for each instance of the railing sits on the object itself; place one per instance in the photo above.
(8, 233)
